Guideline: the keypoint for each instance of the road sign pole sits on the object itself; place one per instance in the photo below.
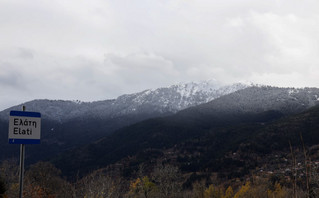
(24, 128)
(21, 174)
(22, 149)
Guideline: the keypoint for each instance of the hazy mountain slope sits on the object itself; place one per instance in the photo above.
(236, 151)
(148, 102)
(67, 124)
(250, 105)
(258, 99)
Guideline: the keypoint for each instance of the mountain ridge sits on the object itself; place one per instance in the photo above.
(158, 101)
(251, 105)
(69, 124)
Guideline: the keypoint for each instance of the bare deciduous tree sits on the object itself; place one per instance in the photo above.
(9, 171)
(98, 184)
(43, 179)
(168, 179)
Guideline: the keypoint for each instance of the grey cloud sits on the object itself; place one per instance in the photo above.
(25, 53)
(56, 49)
(142, 70)
(10, 78)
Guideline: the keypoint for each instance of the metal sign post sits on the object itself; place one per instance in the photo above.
(24, 128)
(21, 173)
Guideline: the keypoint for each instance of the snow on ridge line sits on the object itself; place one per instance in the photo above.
(190, 94)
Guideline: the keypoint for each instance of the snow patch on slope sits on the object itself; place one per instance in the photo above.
(159, 101)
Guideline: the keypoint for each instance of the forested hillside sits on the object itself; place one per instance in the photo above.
(70, 124)
(252, 107)
(266, 154)
(257, 142)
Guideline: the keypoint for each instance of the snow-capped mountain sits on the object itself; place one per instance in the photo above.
(174, 98)
(257, 99)
(149, 102)
(68, 124)
(233, 117)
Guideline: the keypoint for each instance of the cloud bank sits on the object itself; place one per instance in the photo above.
(100, 49)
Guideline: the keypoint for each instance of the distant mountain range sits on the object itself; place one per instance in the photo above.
(257, 104)
(149, 102)
(67, 124)
(90, 135)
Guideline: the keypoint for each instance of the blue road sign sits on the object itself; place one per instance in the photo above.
(24, 127)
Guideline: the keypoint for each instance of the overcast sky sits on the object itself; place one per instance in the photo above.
(99, 49)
